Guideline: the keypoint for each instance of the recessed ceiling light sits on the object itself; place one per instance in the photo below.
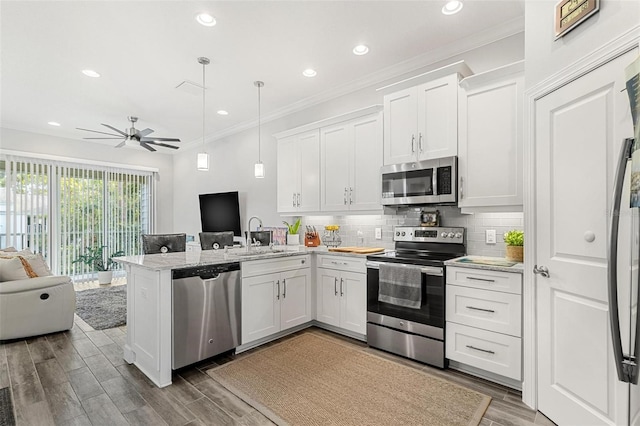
(90, 73)
(223, 112)
(206, 19)
(53, 123)
(452, 6)
(309, 72)
(360, 49)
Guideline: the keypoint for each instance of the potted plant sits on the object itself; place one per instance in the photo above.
(96, 259)
(293, 239)
(514, 240)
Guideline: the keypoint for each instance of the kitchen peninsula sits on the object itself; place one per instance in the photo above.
(149, 302)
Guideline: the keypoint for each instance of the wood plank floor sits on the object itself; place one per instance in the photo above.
(78, 377)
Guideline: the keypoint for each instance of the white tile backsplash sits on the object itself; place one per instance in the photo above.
(475, 224)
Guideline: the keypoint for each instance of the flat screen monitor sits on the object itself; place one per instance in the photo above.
(220, 212)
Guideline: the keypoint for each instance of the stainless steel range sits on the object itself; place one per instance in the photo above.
(406, 292)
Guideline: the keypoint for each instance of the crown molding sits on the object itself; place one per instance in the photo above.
(412, 65)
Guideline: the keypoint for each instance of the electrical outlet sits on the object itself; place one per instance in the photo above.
(378, 233)
(490, 236)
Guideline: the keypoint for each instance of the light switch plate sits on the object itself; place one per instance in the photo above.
(490, 236)
(378, 233)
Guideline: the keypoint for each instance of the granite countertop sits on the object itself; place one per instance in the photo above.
(487, 263)
(187, 259)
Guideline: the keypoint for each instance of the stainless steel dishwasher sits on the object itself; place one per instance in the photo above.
(205, 312)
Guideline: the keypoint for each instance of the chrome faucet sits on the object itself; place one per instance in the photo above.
(249, 231)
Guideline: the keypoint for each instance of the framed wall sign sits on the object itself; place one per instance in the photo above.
(571, 13)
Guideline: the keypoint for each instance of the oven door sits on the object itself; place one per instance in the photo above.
(431, 312)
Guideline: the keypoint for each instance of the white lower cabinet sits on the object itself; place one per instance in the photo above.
(275, 301)
(341, 298)
(484, 320)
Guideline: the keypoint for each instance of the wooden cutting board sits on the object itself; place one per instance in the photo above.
(358, 250)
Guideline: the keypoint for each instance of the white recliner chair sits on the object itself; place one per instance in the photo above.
(35, 306)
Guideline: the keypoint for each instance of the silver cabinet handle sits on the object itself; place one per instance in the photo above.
(345, 195)
(413, 141)
(542, 270)
(481, 279)
(480, 309)
(333, 262)
(294, 199)
(420, 141)
(298, 199)
(341, 290)
(481, 350)
(335, 286)
(461, 187)
(284, 288)
(350, 195)
(278, 285)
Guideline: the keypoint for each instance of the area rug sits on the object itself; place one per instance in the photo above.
(103, 307)
(317, 380)
(6, 408)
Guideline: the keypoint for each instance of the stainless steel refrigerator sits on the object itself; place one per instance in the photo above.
(623, 271)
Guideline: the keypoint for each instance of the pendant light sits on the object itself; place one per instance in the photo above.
(258, 169)
(203, 157)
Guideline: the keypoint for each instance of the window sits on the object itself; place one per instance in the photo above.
(60, 208)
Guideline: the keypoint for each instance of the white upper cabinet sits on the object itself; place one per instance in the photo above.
(421, 122)
(299, 173)
(490, 146)
(351, 157)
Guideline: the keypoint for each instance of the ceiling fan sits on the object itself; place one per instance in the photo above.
(133, 134)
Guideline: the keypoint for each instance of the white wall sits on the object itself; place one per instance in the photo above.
(28, 142)
(232, 158)
(545, 56)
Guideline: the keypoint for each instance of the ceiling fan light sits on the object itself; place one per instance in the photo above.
(206, 19)
(203, 161)
(258, 170)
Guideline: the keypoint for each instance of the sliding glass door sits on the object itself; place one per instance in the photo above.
(59, 209)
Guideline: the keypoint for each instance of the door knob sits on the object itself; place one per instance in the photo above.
(542, 270)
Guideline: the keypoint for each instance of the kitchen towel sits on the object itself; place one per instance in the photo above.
(400, 285)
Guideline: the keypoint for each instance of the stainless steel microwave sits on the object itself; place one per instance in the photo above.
(422, 182)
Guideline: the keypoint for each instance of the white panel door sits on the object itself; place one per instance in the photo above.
(295, 298)
(579, 129)
(288, 174)
(490, 145)
(328, 296)
(260, 307)
(336, 146)
(366, 183)
(353, 294)
(400, 127)
(438, 118)
(309, 171)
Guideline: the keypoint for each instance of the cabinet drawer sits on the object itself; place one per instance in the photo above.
(487, 350)
(342, 263)
(268, 266)
(489, 310)
(485, 279)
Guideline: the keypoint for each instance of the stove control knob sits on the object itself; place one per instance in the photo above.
(404, 233)
(458, 235)
(443, 235)
(451, 235)
(398, 234)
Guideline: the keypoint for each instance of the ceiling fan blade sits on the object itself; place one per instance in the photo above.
(95, 131)
(118, 137)
(145, 132)
(121, 144)
(150, 139)
(166, 145)
(150, 148)
(115, 130)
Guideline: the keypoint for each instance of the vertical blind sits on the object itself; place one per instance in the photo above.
(60, 208)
